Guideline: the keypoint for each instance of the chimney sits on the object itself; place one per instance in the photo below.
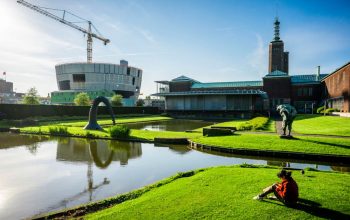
(318, 73)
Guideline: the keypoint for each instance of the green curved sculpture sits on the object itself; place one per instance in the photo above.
(288, 114)
(93, 125)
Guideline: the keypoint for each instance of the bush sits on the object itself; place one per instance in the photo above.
(58, 130)
(330, 110)
(82, 99)
(320, 110)
(117, 100)
(258, 123)
(119, 131)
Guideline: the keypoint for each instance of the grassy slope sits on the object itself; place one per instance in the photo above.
(316, 124)
(226, 193)
(273, 142)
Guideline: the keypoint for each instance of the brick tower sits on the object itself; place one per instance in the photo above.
(278, 58)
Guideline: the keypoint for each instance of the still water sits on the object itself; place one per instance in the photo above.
(41, 174)
(170, 125)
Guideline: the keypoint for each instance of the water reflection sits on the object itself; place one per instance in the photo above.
(170, 125)
(101, 152)
(8, 140)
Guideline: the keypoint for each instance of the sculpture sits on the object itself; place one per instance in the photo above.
(288, 114)
(92, 125)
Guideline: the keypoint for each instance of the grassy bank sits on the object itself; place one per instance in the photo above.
(319, 124)
(226, 193)
(305, 144)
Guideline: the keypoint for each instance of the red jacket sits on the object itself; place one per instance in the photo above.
(288, 190)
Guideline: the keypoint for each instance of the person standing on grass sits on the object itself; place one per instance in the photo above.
(286, 192)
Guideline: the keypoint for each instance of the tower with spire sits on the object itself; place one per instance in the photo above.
(278, 58)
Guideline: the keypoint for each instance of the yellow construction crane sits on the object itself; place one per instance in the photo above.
(88, 32)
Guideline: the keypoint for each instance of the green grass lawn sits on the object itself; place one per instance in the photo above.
(227, 192)
(118, 121)
(319, 124)
(305, 144)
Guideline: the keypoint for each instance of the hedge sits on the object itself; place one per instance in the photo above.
(20, 111)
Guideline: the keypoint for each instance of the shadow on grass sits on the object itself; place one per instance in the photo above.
(315, 209)
(318, 142)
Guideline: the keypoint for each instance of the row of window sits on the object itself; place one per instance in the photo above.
(98, 68)
(305, 91)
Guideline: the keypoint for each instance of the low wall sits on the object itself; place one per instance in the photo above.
(20, 111)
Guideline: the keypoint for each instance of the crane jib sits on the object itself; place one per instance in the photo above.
(62, 20)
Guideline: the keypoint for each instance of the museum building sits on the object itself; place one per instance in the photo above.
(305, 92)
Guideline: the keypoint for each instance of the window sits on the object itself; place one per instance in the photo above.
(133, 80)
(64, 85)
(310, 91)
(138, 73)
(128, 71)
(78, 77)
(305, 91)
(300, 91)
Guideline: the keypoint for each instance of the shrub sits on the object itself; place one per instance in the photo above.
(117, 100)
(90, 135)
(82, 99)
(58, 130)
(330, 110)
(258, 123)
(320, 110)
(119, 131)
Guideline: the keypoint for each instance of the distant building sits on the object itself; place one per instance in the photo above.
(6, 87)
(7, 95)
(97, 79)
(305, 92)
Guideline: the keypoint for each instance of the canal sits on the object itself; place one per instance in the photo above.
(41, 174)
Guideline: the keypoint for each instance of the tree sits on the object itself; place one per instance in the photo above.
(32, 97)
(117, 100)
(82, 99)
(140, 102)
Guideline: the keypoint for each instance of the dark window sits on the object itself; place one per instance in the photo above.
(128, 71)
(78, 77)
(133, 80)
(138, 73)
(64, 85)
(305, 91)
(310, 91)
(300, 91)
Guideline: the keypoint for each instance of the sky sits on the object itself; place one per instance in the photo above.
(210, 41)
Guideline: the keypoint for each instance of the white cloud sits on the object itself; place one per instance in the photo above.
(257, 59)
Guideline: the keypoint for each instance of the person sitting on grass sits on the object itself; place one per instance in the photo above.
(286, 192)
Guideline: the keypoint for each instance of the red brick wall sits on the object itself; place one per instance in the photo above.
(278, 87)
(338, 84)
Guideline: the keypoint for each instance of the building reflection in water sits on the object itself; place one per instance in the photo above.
(99, 152)
(31, 142)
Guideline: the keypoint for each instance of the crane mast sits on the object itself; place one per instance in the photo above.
(88, 32)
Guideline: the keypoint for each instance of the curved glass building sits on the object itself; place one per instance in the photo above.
(97, 79)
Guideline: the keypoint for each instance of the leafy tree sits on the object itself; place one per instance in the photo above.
(32, 97)
(140, 102)
(82, 99)
(117, 100)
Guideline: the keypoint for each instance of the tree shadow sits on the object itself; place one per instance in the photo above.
(315, 209)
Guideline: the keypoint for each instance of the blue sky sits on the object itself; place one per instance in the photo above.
(206, 40)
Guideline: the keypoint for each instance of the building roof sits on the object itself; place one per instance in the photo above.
(348, 63)
(276, 73)
(214, 92)
(307, 79)
(227, 84)
(184, 78)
